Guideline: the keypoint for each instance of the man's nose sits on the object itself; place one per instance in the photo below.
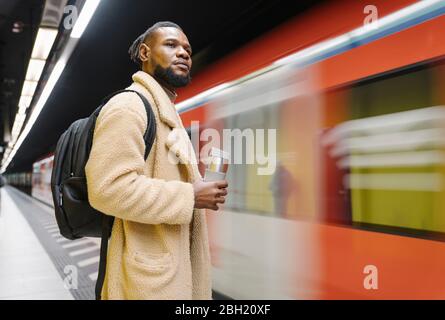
(183, 53)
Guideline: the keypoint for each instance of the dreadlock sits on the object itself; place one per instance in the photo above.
(134, 48)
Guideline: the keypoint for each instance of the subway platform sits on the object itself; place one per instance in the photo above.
(36, 262)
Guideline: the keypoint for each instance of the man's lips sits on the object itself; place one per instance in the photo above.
(182, 65)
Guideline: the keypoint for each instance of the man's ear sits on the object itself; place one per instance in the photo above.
(144, 52)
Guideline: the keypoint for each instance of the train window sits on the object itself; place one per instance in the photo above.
(383, 161)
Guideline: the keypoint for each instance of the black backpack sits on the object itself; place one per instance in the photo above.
(74, 214)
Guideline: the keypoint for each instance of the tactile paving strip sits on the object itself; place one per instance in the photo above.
(45, 227)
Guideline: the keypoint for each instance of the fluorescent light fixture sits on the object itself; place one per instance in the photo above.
(29, 87)
(44, 42)
(18, 121)
(22, 110)
(51, 83)
(25, 101)
(15, 136)
(57, 71)
(20, 118)
(85, 16)
(35, 69)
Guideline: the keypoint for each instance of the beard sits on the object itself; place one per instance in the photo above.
(171, 78)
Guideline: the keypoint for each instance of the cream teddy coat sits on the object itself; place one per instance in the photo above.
(159, 244)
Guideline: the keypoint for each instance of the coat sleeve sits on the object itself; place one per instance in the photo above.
(115, 176)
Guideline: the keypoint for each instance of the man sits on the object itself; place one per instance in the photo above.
(159, 246)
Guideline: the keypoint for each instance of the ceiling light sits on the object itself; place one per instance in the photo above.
(25, 101)
(35, 69)
(44, 42)
(85, 16)
(18, 24)
(55, 74)
(22, 110)
(29, 87)
(18, 127)
(19, 120)
(50, 84)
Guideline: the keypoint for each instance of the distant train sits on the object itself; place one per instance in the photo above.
(355, 204)
(37, 182)
(41, 180)
(22, 179)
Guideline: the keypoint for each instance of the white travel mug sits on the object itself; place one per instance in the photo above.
(217, 165)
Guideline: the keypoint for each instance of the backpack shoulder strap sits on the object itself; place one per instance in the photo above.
(107, 225)
(150, 132)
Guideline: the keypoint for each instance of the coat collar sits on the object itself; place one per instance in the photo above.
(177, 141)
(171, 94)
(167, 110)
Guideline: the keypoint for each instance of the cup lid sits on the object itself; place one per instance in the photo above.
(215, 152)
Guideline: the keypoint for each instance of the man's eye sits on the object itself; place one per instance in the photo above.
(171, 45)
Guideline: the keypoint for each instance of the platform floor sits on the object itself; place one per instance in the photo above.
(36, 262)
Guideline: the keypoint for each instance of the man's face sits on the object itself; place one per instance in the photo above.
(170, 57)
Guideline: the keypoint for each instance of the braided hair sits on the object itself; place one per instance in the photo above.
(134, 48)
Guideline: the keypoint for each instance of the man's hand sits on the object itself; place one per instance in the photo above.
(209, 194)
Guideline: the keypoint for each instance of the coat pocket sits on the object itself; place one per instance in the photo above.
(154, 263)
(149, 276)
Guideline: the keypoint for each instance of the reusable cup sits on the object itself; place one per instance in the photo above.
(217, 165)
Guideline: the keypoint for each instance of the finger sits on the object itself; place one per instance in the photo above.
(220, 200)
(220, 193)
(222, 184)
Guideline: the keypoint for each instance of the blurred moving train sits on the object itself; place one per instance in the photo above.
(355, 207)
